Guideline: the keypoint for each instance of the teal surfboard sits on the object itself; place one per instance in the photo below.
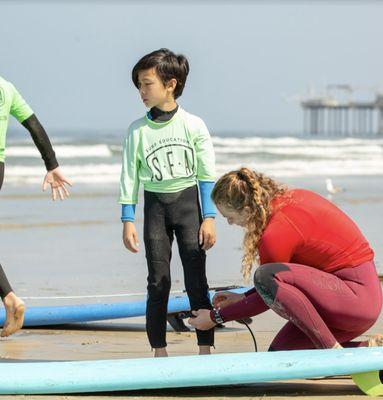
(186, 371)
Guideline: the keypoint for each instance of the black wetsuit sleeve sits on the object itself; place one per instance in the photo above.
(41, 141)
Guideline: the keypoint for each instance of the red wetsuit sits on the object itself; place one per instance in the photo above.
(316, 271)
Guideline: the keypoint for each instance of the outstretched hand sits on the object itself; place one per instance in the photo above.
(58, 183)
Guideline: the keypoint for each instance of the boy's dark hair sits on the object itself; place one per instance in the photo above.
(167, 65)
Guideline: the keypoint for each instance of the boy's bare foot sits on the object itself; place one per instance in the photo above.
(160, 352)
(204, 350)
(14, 308)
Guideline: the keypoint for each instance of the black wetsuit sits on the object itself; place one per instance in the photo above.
(166, 214)
(43, 144)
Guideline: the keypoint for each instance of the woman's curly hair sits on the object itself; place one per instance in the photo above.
(255, 191)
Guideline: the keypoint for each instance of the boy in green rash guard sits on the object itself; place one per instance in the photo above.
(170, 152)
(11, 103)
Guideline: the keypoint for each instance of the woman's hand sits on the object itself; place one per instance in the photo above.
(223, 299)
(130, 237)
(207, 235)
(202, 320)
(57, 182)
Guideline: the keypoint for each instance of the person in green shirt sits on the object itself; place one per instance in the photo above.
(12, 103)
(170, 152)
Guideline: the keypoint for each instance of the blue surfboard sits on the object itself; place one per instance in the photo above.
(186, 371)
(57, 315)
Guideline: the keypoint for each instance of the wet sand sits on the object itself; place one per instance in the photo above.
(127, 339)
(74, 248)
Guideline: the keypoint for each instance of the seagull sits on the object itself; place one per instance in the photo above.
(331, 188)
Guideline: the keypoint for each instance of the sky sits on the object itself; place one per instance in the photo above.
(249, 60)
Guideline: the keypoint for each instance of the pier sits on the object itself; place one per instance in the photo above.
(327, 115)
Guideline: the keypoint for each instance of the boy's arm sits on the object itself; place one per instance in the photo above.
(129, 181)
(205, 168)
(25, 115)
(127, 212)
(207, 205)
(205, 153)
(42, 142)
(129, 185)
(19, 107)
(205, 176)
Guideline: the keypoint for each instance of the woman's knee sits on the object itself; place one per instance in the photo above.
(265, 281)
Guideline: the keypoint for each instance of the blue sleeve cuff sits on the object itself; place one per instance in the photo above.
(127, 212)
(208, 208)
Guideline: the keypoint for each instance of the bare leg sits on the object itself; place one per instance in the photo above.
(203, 350)
(376, 340)
(14, 308)
(160, 352)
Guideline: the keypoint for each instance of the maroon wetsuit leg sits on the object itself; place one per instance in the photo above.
(326, 308)
(322, 308)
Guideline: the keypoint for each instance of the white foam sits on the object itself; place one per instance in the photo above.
(279, 157)
(294, 168)
(62, 151)
(304, 151)
(88, 173)
(294, 141)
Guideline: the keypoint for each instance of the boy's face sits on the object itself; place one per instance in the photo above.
(152, 91)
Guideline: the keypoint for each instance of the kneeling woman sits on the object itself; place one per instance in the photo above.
(316, 267)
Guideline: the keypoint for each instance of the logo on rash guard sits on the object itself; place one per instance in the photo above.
(2, 97)
(171, 161)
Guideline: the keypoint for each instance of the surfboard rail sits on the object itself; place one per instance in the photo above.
(183, 371)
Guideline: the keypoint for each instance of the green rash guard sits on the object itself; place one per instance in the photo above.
(12, 103)
(166, 157)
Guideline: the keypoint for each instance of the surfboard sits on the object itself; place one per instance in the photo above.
(370, 382)
(58, 315)
(185, 371)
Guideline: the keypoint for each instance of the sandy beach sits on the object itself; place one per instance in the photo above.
(291, 89)
(127, 339)
(53, 252)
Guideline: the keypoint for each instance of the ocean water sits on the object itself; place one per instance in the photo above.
(75, 248)
(94, 160)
